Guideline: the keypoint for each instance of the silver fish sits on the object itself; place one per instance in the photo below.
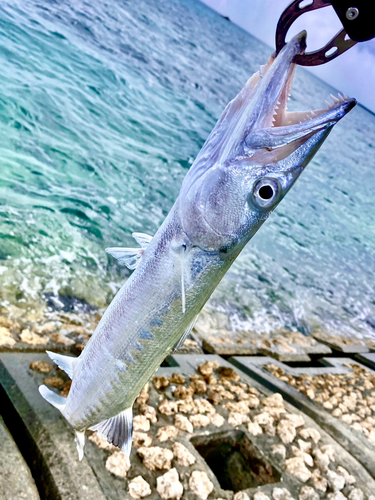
(249, 162)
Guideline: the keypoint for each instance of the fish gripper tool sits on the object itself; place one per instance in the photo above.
(356, 17)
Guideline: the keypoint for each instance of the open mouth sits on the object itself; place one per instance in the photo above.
(278, 116)
(334, 110)
(256, 127)
(283, 118)
(259, 112)
(271, 132)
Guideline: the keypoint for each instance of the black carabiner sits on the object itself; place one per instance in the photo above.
(356, 17)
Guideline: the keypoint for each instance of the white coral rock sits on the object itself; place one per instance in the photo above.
(118, 464)
(169, 486)
(200, 484)
(139, 488)
(183, 455)
(297, 468)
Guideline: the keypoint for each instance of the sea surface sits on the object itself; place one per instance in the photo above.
(104, 106)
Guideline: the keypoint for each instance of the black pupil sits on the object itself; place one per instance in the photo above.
(266, 192)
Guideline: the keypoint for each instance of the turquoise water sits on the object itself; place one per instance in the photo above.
(103, 108)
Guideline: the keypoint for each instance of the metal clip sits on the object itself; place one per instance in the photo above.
(335, 47)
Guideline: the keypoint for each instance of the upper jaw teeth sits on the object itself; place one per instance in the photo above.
(275, 111)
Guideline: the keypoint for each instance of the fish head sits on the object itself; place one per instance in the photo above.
(253, 156)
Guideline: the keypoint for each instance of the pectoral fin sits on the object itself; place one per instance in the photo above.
(142, 239)
(118, 430)
(130, 257)
(183, 296)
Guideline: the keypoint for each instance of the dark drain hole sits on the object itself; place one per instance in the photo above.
(169, 362)
(235, 461)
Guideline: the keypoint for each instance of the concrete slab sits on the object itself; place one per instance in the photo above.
(192, 345)
(367, 359)
(231, 435)
(50, 346)
(50, 448)
(355, 442)
(284, 346)
(64, 332)
(229, 349)
(300, 354)
(343, 344)
(16, 481)
(42, 435)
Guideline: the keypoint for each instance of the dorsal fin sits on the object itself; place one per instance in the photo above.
(130, 257)
(66, 363)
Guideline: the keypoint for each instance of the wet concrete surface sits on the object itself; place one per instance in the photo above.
(16, 481)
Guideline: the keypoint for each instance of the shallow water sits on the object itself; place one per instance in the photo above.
(102, 110)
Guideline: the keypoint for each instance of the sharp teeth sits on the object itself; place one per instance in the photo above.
(341, 99)
(345, 96)
(328, 105)
(334, 99)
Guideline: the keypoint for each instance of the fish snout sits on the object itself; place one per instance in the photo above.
(296, 46)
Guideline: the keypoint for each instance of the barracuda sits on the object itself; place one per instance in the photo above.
(249, 162)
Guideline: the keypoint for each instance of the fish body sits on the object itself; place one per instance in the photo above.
(249, 162)
(143, 324)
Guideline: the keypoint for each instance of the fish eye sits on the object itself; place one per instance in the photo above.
(266, 193)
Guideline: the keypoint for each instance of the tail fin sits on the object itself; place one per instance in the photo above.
(59, 402)
(53, 398)
(66, 363)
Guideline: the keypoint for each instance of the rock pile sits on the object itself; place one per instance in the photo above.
(220, 337)
(350, 397)
(164, 461)
(68, 330)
